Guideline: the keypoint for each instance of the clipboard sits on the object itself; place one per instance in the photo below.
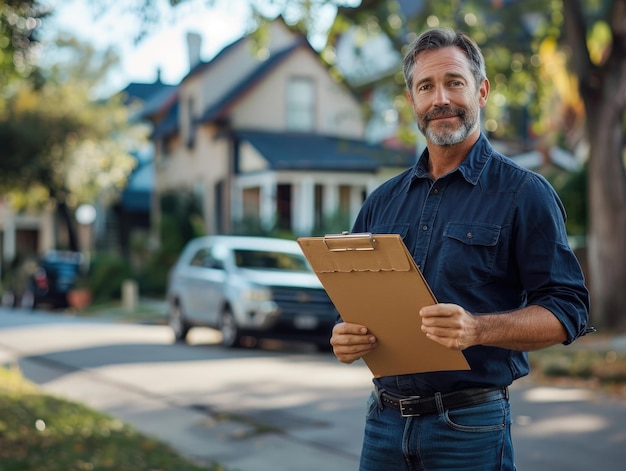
(373, 280)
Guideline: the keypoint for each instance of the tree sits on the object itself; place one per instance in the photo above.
(602, 82)
(61, 144)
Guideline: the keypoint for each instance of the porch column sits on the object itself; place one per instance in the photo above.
(303, 207)
(356, 201)
(267, 204)
(330, 200)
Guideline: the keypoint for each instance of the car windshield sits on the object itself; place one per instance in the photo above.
(263, 259)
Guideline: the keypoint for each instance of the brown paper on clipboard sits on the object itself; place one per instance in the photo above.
(372, 280)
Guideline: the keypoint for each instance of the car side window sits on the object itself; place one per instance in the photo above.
(203, 258)
(215, 260)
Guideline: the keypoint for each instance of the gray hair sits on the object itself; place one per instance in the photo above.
(438, 38)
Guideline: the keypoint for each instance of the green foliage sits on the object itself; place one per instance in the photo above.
(607, 367)
(58, 141)
(252, 226)
(153, 279)
(572, 189)
(45, 433)
(334, 224)
(331, 224)
(106, 276)
(20, 21)
(181, 214)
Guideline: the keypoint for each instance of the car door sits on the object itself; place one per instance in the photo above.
(205, 286)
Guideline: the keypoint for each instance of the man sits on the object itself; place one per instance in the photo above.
(489, 237)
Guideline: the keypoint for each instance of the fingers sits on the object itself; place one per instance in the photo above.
(446, 324)
(351, 341)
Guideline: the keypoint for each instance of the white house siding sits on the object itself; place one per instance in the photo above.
(238, 63)
(264, 106)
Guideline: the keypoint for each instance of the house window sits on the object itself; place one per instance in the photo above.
(300, 104)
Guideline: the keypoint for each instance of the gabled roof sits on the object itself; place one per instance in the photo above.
(302, 151)
(169, 125)
(144, 91)
(246, 83)
(162, 100)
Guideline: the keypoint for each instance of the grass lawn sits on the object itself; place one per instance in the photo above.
(40, 432)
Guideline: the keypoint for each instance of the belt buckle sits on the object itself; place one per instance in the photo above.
(403, 408)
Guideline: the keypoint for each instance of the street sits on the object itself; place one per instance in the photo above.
(280, 407)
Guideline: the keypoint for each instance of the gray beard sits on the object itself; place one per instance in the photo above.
(450, 138)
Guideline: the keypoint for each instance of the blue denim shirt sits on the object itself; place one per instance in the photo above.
(489, 236)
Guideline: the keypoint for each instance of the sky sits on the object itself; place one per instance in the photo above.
(164, 48)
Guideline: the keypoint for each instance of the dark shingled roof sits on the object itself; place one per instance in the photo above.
(301, 151)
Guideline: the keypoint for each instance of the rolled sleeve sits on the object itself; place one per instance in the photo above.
(549, 269)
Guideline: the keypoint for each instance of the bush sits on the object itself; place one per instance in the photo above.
(606, 367)
(107, 274)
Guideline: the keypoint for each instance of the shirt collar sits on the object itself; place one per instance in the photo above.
(470, 168)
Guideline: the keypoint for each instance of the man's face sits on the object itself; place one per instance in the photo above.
(445, 98)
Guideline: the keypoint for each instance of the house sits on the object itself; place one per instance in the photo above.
(264, 132)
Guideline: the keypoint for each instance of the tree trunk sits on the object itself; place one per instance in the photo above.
(606, 249)
(603, 90)
(66, 217)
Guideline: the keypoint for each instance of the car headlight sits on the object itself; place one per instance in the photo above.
(257, 294)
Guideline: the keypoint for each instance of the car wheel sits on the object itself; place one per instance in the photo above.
(177, 322)
(231, 337)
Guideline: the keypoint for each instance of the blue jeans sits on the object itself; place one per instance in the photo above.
(474, 438)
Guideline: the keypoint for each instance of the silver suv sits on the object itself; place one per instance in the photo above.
(248, 286)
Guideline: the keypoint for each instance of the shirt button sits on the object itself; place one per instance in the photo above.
(424, 227)
(436, 191)
(470, 235)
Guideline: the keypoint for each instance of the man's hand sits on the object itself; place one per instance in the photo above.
(351, 341)
(450, 325)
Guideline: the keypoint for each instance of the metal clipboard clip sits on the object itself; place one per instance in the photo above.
(349, 242)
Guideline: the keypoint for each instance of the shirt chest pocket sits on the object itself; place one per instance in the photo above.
(468, 253)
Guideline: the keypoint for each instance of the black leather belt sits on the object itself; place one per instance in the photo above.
(417, 405)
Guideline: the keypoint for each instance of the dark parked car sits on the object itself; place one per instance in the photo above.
(248, 286)
(44, 282)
